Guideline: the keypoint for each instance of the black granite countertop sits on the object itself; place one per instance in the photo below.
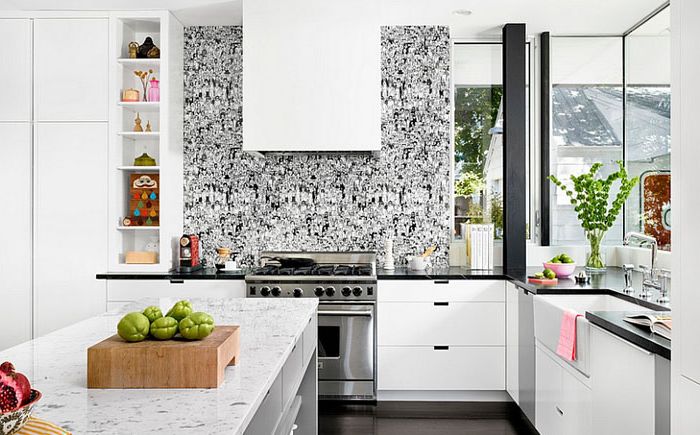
(206, 273)
(440, 273)
(611, 282)
(613, 321)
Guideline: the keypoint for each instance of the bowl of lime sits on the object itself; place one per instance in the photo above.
(562, 265)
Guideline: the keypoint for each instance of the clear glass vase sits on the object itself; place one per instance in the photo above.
(594, 260)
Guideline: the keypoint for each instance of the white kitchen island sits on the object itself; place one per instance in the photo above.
(272, 387)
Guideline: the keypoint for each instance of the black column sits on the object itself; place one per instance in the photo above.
(545, 134)
(514, 146)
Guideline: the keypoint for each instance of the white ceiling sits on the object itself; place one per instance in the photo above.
(561, 17)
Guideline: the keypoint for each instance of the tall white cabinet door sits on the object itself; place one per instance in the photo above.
(71, 69)
(70, 223)
(16, 222)
(16, 69)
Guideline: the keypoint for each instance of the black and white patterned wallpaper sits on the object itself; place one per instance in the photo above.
(320, 202)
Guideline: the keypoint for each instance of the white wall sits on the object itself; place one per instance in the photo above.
(685, 111)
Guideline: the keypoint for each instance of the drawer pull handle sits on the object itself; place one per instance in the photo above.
(441, 347)
(177, 281)
(442, 281)
(441, 304)
(559, 410)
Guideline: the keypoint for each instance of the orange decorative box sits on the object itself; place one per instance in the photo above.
(131, 95)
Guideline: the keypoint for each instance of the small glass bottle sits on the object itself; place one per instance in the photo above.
(154, 90)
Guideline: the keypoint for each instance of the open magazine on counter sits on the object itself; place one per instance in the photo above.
(659, 323)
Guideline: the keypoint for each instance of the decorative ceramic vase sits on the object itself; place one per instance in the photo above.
(594, 260)
(154, 91)
(389, 254)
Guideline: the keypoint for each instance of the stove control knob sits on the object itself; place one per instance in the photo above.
(345, 291)
(318, 291)
(330, 291)
(265, 291)
(357, 291)
(276, 291)
(298, 292)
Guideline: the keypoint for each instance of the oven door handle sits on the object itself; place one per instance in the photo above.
(345, 313)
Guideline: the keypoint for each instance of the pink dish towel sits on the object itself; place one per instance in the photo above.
(567, 336)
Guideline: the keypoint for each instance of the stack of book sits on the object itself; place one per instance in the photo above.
(479, 238)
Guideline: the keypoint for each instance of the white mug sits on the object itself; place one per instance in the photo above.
(230, 265)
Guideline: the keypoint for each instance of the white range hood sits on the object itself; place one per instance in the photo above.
(311, 76)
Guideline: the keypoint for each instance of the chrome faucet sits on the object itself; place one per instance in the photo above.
(651, 279)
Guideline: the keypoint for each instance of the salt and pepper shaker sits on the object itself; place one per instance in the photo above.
(628, 268)
(389, 254)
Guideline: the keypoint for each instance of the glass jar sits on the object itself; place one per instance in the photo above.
(222, 256)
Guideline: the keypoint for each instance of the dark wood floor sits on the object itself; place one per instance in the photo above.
(420, 418)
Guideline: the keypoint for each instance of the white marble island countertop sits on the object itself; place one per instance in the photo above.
(56, 364)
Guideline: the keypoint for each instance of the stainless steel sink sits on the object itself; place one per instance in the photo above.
(548, 314)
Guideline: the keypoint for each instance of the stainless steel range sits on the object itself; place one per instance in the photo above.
(345, 284)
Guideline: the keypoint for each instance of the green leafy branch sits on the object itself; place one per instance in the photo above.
(590, 196)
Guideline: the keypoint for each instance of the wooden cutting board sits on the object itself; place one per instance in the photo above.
(176, 363)
(542, 281)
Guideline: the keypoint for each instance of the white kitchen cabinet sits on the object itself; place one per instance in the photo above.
(624, 385)
(443, 368)
(71, 69)
(432, 323)
(512, 342)
(563, 402)
(456, 290)
(70, 241)
(314, 67)
(130, 290)
(16, 69)
(16, 222)
(689, 421)
(445, 335)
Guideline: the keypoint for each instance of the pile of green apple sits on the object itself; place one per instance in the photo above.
(562, 258)
(181, 318)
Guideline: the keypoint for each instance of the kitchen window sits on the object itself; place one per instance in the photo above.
(478, 139)
(611, 101)
(587, 123)
(478, 136)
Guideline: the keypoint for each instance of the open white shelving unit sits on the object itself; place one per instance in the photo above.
(163, 143)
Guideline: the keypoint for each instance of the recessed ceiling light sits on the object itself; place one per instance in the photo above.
(463, 12)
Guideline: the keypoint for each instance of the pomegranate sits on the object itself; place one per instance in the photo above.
(15, 390)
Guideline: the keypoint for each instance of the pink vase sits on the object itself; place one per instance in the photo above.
(154, 91)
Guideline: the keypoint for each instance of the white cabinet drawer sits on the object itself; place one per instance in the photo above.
(133, 290)
(425, 368)
(441, 323)
(268, 414)
(460, 290)
(292, 372)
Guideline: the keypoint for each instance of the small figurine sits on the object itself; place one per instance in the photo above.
(146, 47)
(133, 50)
(154, 53)
(148, 126)
(137, 124)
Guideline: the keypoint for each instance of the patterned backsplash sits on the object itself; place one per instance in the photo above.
(312, 201)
